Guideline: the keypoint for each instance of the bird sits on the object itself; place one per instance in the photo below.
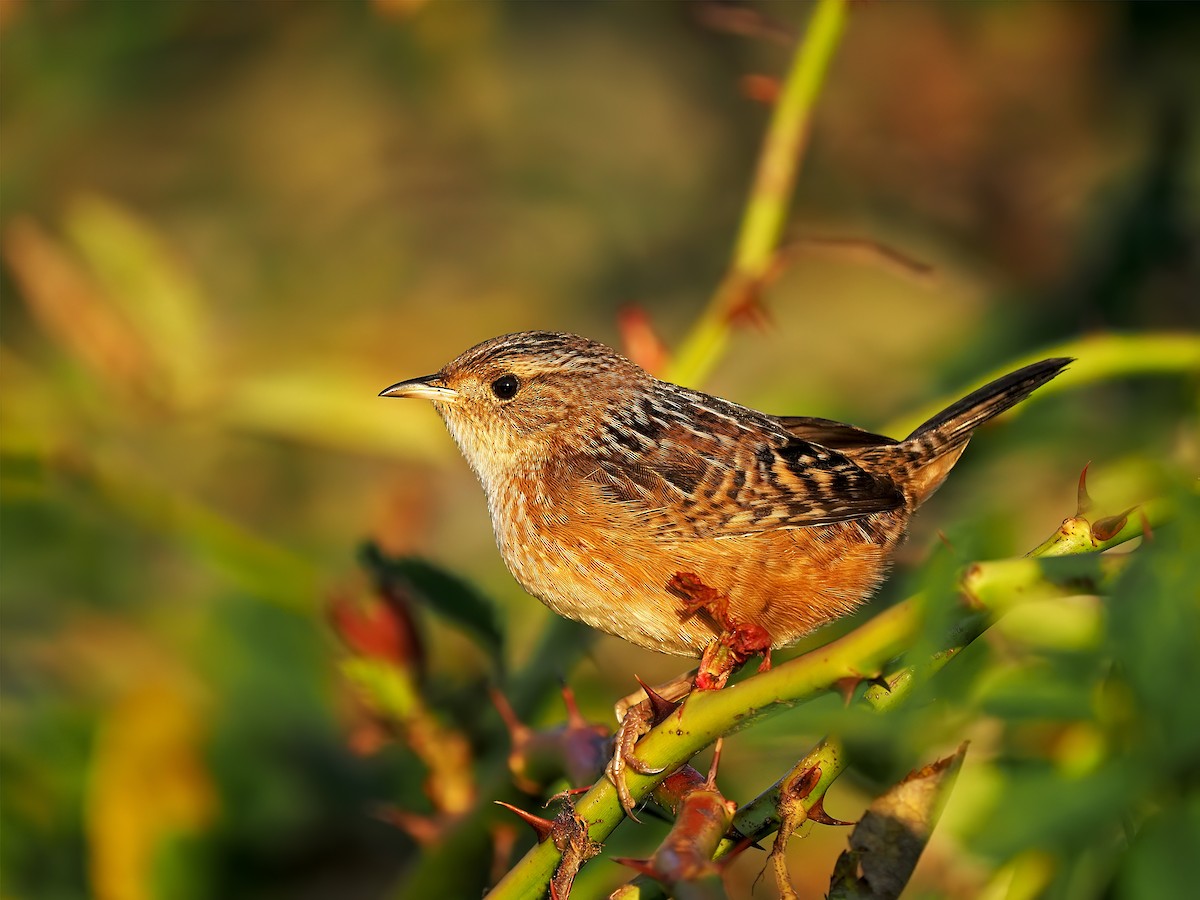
(672, 518)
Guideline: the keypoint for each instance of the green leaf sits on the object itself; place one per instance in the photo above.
(1037, 690)
(1154, 627)
(389, 690)
(1041, 808)
(1162, 860)
(446, 594)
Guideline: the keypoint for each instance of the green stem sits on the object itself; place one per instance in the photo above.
(771, 194)
(760, 816)
(1098, 357)
(1077, 535)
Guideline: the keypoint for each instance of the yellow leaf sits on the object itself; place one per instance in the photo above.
(147, 785)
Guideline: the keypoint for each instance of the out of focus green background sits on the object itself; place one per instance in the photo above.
(226, 226)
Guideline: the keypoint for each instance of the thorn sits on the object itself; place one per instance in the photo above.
(1083, 502)
(422, 829)
(881, 681)
(738, 849)
(847, 685)
(567, 795)
(660, 706)
(575, 718)
(517, 730)
(711, 783)
(1107, 528)
(817, 814)
(639, 865)
(543, 827)
(1147, 531)
(864, 252)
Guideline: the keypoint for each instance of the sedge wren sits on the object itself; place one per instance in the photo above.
(614, 495)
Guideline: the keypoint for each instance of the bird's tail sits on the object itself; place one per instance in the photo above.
(928, 454)
(954, 424)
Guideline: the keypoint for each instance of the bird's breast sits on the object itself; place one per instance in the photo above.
(593, 560)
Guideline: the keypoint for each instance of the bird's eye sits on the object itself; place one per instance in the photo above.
(506, 386)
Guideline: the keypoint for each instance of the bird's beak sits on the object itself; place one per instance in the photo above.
(427, 387)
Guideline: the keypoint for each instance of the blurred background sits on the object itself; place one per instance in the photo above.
(226, 226)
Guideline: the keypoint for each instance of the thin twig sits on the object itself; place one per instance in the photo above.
(770, 196)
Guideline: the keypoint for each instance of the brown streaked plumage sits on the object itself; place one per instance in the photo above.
(604, 483)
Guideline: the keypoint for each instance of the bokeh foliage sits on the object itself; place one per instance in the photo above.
(226, 226)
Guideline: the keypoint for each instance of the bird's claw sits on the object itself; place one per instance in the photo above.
(636, 722)
(643, 768)
(638, 713)
(727, 652)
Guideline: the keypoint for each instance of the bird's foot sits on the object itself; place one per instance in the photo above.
(636, 723)
(699, 598)
(729, 651)
(735, 643)
(638, 713)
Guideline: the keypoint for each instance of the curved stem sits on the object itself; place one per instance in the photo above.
(771, 194)
(703, 717)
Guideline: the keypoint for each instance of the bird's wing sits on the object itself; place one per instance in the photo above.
(684, 484)
(830, 434)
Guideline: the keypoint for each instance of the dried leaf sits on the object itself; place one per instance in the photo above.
(640, 341)
(887, 842)
(570, 836)
(72, 310)
(379, 628)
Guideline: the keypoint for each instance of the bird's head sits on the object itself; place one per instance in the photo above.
(517, 400)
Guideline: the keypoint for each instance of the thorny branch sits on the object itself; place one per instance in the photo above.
(992, 588)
